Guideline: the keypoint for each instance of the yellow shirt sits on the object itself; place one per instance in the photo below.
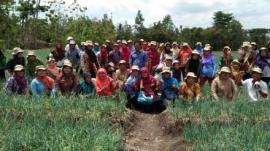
(190, 93)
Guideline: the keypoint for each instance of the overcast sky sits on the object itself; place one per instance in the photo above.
(189, 13)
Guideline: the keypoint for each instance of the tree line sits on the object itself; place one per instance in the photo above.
(33, 24)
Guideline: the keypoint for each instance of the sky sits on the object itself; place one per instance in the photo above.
(188, 13)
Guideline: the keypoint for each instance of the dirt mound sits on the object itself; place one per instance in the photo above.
(152, 132)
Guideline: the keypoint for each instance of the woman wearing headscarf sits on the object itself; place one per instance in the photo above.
(67, 82)
(104, 84)
(17, 83)
(42, 84)
(53, 71)
(209, 67)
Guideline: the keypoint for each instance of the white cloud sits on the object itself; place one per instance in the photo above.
(189, 13)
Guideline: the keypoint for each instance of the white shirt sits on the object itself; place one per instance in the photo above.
(254, 94)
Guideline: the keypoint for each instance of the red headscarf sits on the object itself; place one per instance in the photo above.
(147, 81)
(104, 86)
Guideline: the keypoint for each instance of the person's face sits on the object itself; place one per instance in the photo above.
(138, 47)
(185, 47)
(254, 47)
(153, 47)
(31, 58)
(176, 66)
(168, 62)
(224, 76)
(256, 76)
(206, 53)
(168, 47)
(58, 45)
(195, 57)
(72, 46)
(135, 72)
(263, 53)
(89, 47)
(124, 45)
(122, 66)
(190, 80)
(88, 79)
(20, 73)
(67, 69)
(103, 49)
(144, 74)
(101, 75)
(111, 68)
(41, 73)
(174, 46)
(166, 75)
(51, 63)
(236, 66)
(20, 55)
(115, 47)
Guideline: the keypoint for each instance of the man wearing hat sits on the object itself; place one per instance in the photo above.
(115, 55)
(138, 57)
(70, 38)
(73, 54)
(256, 88)
(32, 62)
(223, 87)
(17, 83)
(153, 57)
(17, 59)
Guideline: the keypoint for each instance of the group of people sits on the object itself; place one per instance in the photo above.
(148, 72)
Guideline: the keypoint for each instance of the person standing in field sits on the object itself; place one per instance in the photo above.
(153, 57)
(103, 56)
(89, 62)
(2, 65)
(263, 62)
(166, 52)
(223, 87)
(17, 59)
(42, 84)
(236, 73)
(67, 82)
(125, 51)
(115, 55)
(190, 90)
(58, 53)
(175, 50)
(73, 55)
(138, 57)
(184, 54)
(208, 68)
(194, 63)
(256, 88)
(32, 62)
(17, 83)
(227, 58)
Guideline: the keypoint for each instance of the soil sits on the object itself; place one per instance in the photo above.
(152, 132)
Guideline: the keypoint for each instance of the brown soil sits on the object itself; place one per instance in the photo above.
(152, 132)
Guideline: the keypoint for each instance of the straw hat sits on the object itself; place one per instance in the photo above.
(69, 38)
(185, 44)
(207, 45)
(89, 44)
(31, 53)
(135, 67)
(115, 44)
(141, 40)
(17, 50)
(253, 43)
(246, 44)
(195, 52)
(175, 61)
(107, 41)
(153, 43)
(257, 70)
(263, 48)
(40, 67)
(124, 42)
(235, 61)
(18, 68)
(207, 48)
(199, 43)
(227, 47)
(122, 62)
(225, 70)
(51, 59)
(174, 43)
(72, 42)
(166, 70)
(111, 64)
(129, 41)
(96, 44)
(103, 45)
(67, 63)
(191, 74)
(118, 41)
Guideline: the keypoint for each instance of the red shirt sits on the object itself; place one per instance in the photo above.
(153, 58)
(184, 55)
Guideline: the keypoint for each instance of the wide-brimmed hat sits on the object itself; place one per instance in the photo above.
(207, 45)
(122, 62)
(199, 43)
(72, 42)
(174, 43)
(141, 40)
(225, 70)
(18, 68)
(129, 41)
(166, 70)
(246, 44)
(103, 45)
(207, 48)
(40, 67)
(191, 74)
(253, 43)
(67, 63)
(124, 42)
(51, 59)
(226, 47)
(257, 70)
(185, 44)
(31, 53)
(108, 41)
(236, 61)
(118, 41)
(96, 44)
(263, 48)
(69, 38)
(111, 64)
(153, 43)
(175, 61)
(195, 52)
(135, 67)
(17, 50)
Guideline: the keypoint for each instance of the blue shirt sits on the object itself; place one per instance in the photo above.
(86, 88)
(128, 85)
(38, 88)
(138, 58)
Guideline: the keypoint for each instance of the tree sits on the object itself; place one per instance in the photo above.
(259, 35)
(139, 27)
(124, 31)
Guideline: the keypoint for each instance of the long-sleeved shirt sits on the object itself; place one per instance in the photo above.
(190, 93)
(12, 86)
(223, 89)
(138, 58)
(86, 88)
(253, 93)
(13, 62)
(209, 67)
(31, 66)
(264, 64)
(38, 89)
(73, 55)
